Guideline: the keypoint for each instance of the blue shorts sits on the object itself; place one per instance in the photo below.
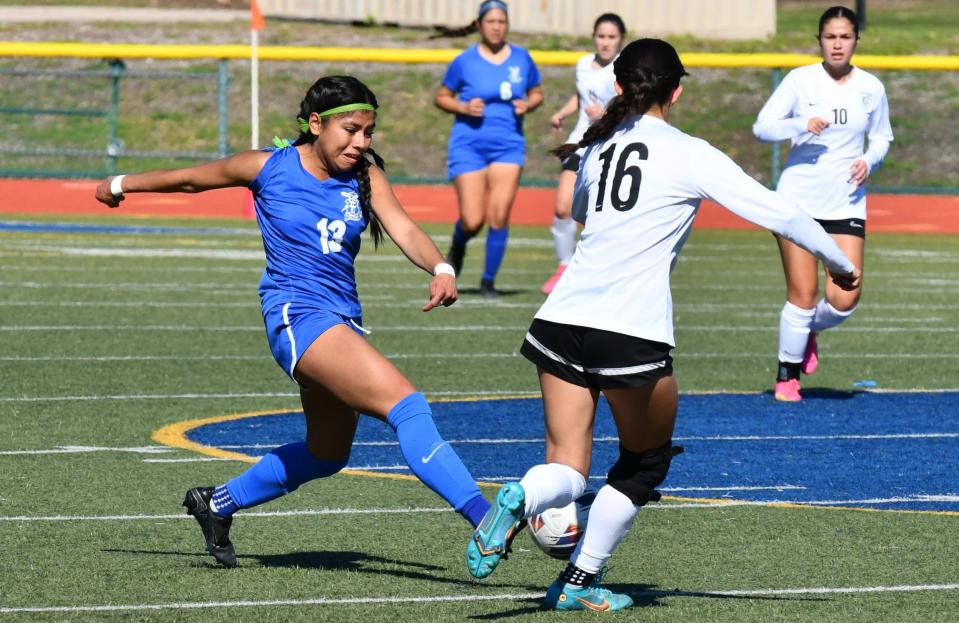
(291, 328)
(466, 156)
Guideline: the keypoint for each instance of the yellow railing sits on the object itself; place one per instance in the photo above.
(412, 55)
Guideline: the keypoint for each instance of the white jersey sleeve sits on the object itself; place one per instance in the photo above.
(879, 133)
(717, 177)
(778, 120)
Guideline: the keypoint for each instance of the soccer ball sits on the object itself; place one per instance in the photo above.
(556, 531)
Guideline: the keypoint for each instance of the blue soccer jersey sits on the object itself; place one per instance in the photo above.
(471, 76)
(311, 234)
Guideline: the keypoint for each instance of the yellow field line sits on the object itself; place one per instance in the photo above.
(441, 56)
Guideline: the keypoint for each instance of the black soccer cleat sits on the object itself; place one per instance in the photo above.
(216, 529)
(488, 289)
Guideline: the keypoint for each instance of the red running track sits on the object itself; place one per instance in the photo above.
(429, 204)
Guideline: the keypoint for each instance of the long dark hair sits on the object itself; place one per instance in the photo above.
(613, 19)
(648, 70)
(330, 92)
(838, 12)
(484, 8)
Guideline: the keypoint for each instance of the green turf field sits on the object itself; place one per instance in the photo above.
(108, 337)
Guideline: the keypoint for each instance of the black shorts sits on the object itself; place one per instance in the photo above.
(595, 358)
(846, 226)
(571, 163)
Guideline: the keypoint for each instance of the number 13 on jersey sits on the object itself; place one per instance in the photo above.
(331, 235)
(624, 174)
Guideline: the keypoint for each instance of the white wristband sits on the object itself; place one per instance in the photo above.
(444, 269)
(116, 187)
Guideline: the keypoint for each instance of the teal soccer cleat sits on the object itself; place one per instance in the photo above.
(563, 596)
(491, 539)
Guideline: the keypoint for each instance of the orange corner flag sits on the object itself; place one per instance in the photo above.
(256, 17)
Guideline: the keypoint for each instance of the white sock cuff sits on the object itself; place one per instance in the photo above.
(577, 482)
(797, 316)
(836, 312)
(551, 486)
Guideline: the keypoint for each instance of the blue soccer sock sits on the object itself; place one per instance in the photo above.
(460, 237)
(432, 459)
(495, 250)
(280, 471)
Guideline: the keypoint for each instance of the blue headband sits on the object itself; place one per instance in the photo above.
(489, 5)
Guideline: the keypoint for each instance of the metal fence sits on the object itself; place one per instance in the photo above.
(234, 58)
(113, 148)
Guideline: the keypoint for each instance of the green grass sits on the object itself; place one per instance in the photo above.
(727, 291)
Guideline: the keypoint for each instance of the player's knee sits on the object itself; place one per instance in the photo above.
(802, 298)
(471, 225)
(846, 305)
(637, 474)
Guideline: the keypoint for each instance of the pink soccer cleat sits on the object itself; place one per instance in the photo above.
(551, 282)
(810, 359)
(788, 391)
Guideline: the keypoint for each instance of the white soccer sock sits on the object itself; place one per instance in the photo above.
(827, 316)
(552, 485)
(794, 332)
(610, 519)
(564, 237)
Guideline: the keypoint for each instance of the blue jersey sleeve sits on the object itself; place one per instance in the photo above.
(453, 80)
(268, 170)
(533, 79)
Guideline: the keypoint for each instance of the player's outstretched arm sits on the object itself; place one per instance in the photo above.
(237, 170)
(412, 240)
(722, 180)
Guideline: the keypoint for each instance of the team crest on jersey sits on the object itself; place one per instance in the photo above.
(514, 75)
(351, 206)
(866, 99)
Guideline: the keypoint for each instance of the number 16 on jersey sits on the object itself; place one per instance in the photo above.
(624, 173)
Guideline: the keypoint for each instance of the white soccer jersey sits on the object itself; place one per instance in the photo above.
(637, 193)
(816, 175)
(592, 84)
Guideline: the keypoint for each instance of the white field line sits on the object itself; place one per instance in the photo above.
(484, 441)
(230, 395)
(294, 513)
(421, 284)
(664, 506)
(207, 459)
(251, 272)
(678, 307)
(479, 393)
(88, 449)
(452, 328)
(197, 396)
(127, 358)
(773, 316)
(504, 597)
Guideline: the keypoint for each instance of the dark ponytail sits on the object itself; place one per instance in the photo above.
(648, 71)
(330, 92)
(485, 7)
(443, 32)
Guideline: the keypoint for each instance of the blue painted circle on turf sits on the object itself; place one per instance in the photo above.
(859, 449)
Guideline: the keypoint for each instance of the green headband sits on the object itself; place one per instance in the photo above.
(305, 125)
